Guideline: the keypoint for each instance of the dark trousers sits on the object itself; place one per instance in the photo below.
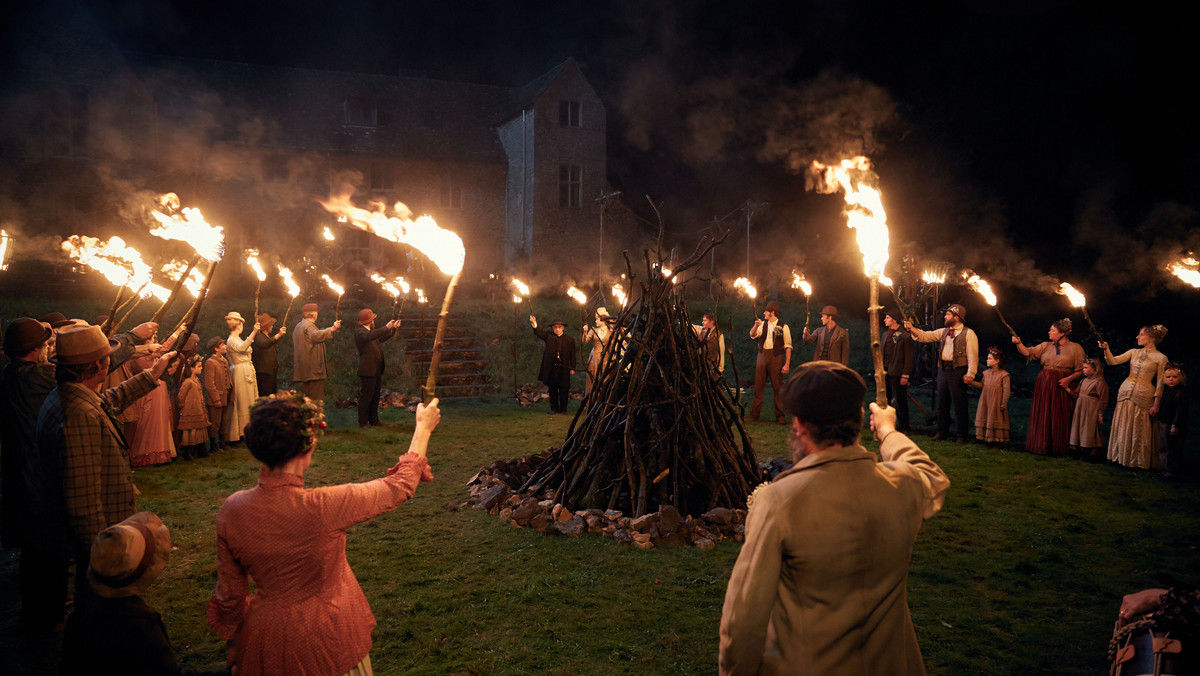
(216, 420)
(266, 383)
(368, 400)
(313, 389)
(1170, 448)
(950, 389)
(560, 387)
(44, 583)
(768, 366)
(897, 395)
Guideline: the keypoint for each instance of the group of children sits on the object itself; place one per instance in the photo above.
(1091, 401)
(203, 402)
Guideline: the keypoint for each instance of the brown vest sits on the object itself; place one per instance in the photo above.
(960, 346)
(777, 347)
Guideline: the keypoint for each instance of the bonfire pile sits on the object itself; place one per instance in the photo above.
(659, 430)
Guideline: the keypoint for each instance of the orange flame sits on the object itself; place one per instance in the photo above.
(744, 284)
(522, 288)
(930, 277)
(188, 225)
(5, 239)
(421, 296)
(1076, 298)
(864, 212)
(979, 286)
(252, 261)
(442, 246)
(328, 234)
(117, 262)
(334, 286)
(387, 286)
(1187, 270)
(288, 281)
(578, 296)
(618, 292)
(194, 281)
(799, 282)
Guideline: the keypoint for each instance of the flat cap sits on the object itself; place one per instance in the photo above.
(823, 392)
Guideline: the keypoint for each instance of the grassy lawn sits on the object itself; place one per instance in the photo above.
(1020, 573)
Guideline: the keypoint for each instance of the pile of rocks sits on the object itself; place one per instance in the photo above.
(492, 491)
(528, 395)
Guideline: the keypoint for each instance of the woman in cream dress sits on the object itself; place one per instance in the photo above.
(241, 374)
(598, 337)
(1133, 441)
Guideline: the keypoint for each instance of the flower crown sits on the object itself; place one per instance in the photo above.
(311, 413)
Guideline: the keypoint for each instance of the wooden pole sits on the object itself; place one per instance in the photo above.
(1001, 315)
(429, 390)
(876, 346)
(189, 319)
(175, 291)
(287, 312)
(112, 312)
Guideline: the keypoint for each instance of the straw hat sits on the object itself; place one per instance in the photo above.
(25, 333)
(127, 558)
(83, 345)
(235, 315)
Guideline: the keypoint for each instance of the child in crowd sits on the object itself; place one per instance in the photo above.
(991, 416)
(193, 416)
(1087, 437)
(1172, 420)
(217, 386)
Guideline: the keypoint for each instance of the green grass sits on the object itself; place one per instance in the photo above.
(1020, 573)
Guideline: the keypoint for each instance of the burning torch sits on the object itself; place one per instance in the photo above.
(1080, 302)
(799, 282)
(747, 288)
(293, 290)
(984, 289)
(252, 261)
(340, 291)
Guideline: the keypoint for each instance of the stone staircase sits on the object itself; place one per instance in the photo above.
(461, 372)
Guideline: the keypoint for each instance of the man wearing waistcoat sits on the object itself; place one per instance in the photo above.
(898, 353)
(958, 359)
(833, 341)
(774, 359)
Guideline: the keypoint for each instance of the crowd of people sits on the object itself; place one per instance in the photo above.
(80, 409)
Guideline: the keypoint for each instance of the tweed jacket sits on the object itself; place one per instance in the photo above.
(76, 428)
(835, 347)
(217, 383)
(308, 351)
(370, 355)
(820, 584)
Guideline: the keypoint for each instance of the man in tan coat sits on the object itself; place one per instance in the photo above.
(820, 584)
(308, 353)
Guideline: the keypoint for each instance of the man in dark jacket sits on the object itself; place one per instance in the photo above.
(557, 361)
(370, 364)
(24, 385)
(898, 353)
(265, 356)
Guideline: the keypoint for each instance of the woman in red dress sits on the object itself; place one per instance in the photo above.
(1052, 406)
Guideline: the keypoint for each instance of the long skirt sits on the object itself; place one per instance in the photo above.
(1050, 415)
(1133, 440)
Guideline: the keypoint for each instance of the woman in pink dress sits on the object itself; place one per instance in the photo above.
(308, 616)
(153, 440)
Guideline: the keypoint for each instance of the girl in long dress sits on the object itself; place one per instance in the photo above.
(152, 442)
(598, 337)
(991, 415)
(1133, 441)
(241, 374)
(1087, 438)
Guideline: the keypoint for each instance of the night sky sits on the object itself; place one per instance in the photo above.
(1032, 140)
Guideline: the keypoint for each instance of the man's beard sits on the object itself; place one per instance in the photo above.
(950, 322)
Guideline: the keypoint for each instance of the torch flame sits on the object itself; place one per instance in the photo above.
(517, 299)
(194, 281)
(1076, 298)
(328, 234)
(443, 247)
(117, 262)
(799, 282)
(5, 238)
(421, 296)
(288, 281)
(933, 278)
(522, 288)
(744, 284)
(864, 212)
(333, 286)
(252, 261)
(979, 286)
(1189, 275)
(188, 225)
(387, 286)
(618, 292)
(578, 296)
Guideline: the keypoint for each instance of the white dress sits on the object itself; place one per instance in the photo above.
(245, 386)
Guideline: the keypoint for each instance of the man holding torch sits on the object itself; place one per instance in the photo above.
(370, 364)
(265, 356)
(833, 341)
(773, 361)
(308, 353)
(898, 357)
(958, 361)
(557, 361)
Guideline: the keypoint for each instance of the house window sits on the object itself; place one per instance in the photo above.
(67, 124)
(570, 185)
(568, 114)
(381, 177)
(450, 194)
(361, 112)
(275, 169)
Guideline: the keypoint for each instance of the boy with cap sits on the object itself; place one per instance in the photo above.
(820, 583)
(370, 364)
(308, 353)
(558, 360)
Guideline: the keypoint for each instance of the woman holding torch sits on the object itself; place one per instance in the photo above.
(1133, 441)
(597, 335)
(1052, 407)
(241, 374)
